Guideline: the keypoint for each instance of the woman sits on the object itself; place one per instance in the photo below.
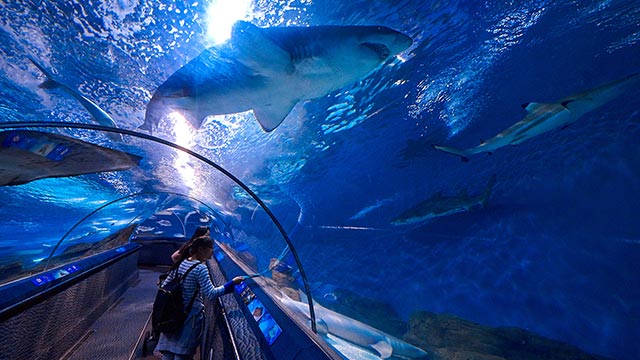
(182, 253)
(182, 344)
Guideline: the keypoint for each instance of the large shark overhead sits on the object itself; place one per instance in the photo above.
(269, 70)
(543, 117)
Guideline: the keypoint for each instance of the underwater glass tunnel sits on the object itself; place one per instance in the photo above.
(453, 179)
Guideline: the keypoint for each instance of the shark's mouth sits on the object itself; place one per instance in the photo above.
(378, 48)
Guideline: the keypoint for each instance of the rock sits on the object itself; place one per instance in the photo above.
(453, 338)
(377, 314)
(282, 274)
(293, 294)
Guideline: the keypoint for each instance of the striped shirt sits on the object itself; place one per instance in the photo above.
(199, 276)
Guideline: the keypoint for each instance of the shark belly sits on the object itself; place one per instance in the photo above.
(269, 70)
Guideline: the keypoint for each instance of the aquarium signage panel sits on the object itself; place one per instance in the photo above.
(267, 324)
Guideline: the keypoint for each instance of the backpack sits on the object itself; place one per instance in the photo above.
(168, 313)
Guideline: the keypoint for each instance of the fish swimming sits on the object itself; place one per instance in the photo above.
(439, 205)
(27, 155)
(543, 117)
(99, 115)
(362, 213)
(270, 70)
(354, 331)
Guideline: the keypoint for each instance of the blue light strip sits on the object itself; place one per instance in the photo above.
(59, 273)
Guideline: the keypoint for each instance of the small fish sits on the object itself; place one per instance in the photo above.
(363, 212)
(543, 117)
(438, 206)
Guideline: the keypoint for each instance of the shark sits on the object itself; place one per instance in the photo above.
(27, 155)
(543, 117)
(365, 211)
(439, 205)
(98, 115)
(270, 70)
(354, 331)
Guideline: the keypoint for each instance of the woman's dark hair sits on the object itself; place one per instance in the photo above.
(185, 249)
(203, 241)
(200, 231)
(191, 247)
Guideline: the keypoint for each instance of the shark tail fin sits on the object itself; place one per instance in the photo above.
(487, 190)
(464, 155)
(49, 82)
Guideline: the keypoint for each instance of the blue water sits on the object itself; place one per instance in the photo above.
(555, 251)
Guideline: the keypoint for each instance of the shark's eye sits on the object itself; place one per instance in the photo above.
(379, 49)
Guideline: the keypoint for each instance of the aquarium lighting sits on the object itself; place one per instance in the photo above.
(222, 14)
(183, 137)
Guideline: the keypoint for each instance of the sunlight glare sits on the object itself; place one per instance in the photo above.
(182, 129)
(222, 14)
(184, 133)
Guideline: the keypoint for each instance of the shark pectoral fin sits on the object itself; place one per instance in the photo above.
(322, 327)
(464, 156)
(383, 348)
(272, 115)
(258, 52)
(532, 106)
(518, 141)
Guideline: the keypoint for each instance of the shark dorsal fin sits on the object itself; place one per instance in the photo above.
(258, 52)
(532, 106)
(272, 115)
(565, 104)
(383, 348)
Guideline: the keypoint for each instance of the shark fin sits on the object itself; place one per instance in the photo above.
(48, 83)
(146, 127)
(322, 327)
(532, 106)
(383, 348)
(487, 190)
(271, 116)
(258, 52)
(462, 153)
(565, 104)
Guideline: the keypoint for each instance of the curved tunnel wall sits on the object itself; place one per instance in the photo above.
(45, 124)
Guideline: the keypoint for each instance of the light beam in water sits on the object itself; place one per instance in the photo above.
(222, 14)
